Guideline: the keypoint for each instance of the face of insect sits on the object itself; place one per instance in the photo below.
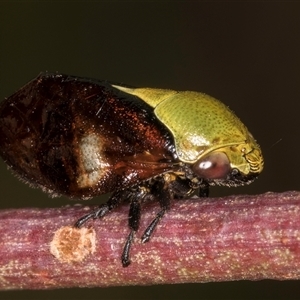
(82, 137)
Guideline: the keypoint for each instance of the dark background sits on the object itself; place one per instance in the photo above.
(245, 54)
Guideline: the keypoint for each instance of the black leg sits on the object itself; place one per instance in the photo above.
(126, 251)
(162, 192)
(149, 230)
(204, 189)
(133, 223)
(135, 212)
(181, 188)
(102, 210)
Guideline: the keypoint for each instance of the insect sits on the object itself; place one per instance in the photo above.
(82, 137)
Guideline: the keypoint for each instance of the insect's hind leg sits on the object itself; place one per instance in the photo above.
(114, 200)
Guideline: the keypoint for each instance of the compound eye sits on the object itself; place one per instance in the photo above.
(213, 166)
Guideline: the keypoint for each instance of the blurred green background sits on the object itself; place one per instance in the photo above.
(245, 54)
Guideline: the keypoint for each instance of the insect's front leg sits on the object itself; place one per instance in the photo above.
(164, 189)
(203, 189)
(161, 191)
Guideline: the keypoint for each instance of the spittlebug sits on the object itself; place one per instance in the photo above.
(82, 137)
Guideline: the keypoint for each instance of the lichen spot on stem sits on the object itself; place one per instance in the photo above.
(71, 244)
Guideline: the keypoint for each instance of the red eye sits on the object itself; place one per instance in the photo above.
(213, 166)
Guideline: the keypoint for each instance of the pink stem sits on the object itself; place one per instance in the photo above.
(216, 239)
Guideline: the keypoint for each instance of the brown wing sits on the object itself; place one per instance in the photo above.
(81, 137)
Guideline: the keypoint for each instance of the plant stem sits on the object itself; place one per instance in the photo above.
(215, 239)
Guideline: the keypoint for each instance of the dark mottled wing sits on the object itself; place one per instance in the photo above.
(81, 137)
